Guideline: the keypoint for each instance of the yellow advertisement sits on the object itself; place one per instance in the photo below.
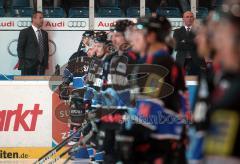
(23, 153)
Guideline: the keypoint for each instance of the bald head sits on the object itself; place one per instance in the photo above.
(188, 18)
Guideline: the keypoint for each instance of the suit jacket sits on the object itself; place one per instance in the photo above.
(28, 48)
(185, 45)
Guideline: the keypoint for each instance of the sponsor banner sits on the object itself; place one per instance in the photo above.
(25, 114)
(8, 47)
(106, 23)
(32, 116)
(22, 153)
(60, 119)
(70, 23)
(49, 23)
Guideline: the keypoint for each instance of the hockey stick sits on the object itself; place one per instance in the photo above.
(53, 151)
(66, 161)
(60, 156)
(74, 148)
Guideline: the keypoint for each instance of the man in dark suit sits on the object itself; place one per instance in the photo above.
(186, 55)
(33, 47)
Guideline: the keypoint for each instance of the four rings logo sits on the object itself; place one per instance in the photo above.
(12, 47)
(24, 23)
(77, 24)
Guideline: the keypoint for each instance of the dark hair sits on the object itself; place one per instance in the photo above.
(100, 37)
(88, 33)
(159, 25)
(35, 13)
(121, 25)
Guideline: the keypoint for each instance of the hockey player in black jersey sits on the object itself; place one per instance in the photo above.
(86, 41)
(157, 133)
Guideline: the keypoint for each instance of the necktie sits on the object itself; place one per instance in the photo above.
(188, 29)
(41, 46)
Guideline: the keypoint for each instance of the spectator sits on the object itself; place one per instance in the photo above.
(33, 47)
(186, 49)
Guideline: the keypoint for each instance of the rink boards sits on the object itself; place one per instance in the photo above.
(33, 119)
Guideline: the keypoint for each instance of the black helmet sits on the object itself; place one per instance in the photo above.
(159, 24)
(100, 37)
(88, 33)
(121, 25)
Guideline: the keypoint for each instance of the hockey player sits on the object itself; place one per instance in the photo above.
(75, 73)
(222, 138)
(100, 44)
(158, 134)
(205, 34)
(114, 91)
(86, 41)
(120, 41)
(95, 82)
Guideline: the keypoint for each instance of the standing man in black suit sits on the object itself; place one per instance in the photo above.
(33, 47)
(186, 55)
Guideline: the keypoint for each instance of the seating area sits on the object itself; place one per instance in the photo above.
(2, 12)
(17, 8)
(79, 12)
(217, 4)
(21, 12)
(202, 12)
(109, 12)
(108, 3)
(52, 12)
(20, 3)
(170, 12)
(104, 8)
(134, 12)
(1, 3)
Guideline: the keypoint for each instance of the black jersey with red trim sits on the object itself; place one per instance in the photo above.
(174, 77)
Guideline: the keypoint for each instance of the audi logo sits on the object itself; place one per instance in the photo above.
(12, 47)
(24, 23)
(77, 24)
(52, 47)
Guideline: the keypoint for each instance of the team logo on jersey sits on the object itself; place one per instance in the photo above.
(149, 80)
(144, 110)
(153, 85)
